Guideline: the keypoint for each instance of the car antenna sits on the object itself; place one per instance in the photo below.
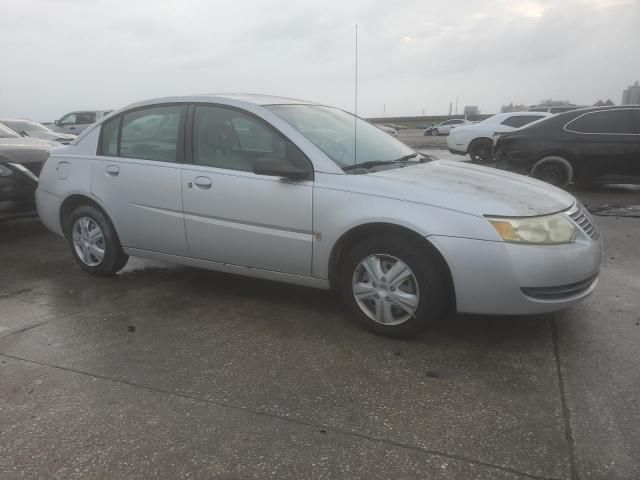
(355, 118)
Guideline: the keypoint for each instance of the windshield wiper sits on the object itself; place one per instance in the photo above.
(375, 163)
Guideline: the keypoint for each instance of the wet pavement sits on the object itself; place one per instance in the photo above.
(174, 372)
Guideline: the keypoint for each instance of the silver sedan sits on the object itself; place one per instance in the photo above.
(308, 194)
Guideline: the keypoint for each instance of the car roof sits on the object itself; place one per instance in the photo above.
(521, 114)
(16, 120)
(247, 98)
(604, 108)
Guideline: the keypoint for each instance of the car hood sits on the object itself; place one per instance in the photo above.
(24, 149)
(472, 189)
(53, 136)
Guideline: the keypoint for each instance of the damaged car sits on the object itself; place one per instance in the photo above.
(307, 194)
(21, 159)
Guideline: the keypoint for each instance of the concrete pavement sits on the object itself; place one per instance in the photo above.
(173, 372)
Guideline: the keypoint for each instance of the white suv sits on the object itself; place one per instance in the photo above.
(77, 122)
(477, 139)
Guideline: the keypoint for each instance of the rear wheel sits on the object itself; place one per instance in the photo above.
(554, 170)
(481, 151)
(393, 286)
(93, 241)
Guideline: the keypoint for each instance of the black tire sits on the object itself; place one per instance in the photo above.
(554, 169)
(114, 258)
(433, 295)
(435, 132)
(481, 151)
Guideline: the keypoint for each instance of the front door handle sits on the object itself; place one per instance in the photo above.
(202, 182)
(113, 170)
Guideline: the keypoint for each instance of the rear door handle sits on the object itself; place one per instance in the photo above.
(202, 182)
(113, 170)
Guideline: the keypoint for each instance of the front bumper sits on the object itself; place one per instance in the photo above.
(514, 279)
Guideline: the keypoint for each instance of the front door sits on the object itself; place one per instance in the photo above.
(137, 178)
(237, 217)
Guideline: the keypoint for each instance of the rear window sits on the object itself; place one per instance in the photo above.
(149, 133)
(518, 121)
(613, 122)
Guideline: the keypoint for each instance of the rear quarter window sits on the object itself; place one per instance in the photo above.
(612, 122)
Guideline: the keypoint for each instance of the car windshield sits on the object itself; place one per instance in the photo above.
(345, 138)
(6, 132)
(25, 126)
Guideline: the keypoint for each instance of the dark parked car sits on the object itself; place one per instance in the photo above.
(21, 159)
(599, 145)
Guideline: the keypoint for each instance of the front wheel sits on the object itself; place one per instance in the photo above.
(393, 286)
(434, 132)
(94, 242)
(554, 170)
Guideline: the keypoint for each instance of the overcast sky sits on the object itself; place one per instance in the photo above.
(64, 55)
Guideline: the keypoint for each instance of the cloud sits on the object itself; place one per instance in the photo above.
(413, 55)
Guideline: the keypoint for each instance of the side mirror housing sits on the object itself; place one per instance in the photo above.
(277, 167)
(56, 123)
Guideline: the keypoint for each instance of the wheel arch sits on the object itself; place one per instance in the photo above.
(359, 232)
(478, 140)
(75, 200)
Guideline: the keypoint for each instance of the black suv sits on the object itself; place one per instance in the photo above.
(599, 144)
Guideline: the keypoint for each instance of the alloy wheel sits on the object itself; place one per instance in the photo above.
(385, 289)
(88, 241)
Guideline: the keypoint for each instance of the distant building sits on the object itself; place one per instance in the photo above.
(555, 103)
(600, 103)
(513, 108)
(631, 95)
(471, 110)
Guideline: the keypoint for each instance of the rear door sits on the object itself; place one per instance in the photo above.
(137, 177)
(235, 216)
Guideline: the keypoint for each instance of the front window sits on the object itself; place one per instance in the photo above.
(518, 121)
(68, 119)
(6, 132)
(345, 138)
(227, 138)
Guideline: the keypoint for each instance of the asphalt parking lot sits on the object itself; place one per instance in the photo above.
(174, 372)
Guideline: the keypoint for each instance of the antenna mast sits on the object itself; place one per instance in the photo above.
(355, 118)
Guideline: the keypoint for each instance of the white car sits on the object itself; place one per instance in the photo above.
(476, 139)
(289, 190)
(444, 128)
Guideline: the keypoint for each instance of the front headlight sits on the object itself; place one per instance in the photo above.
(546, 230)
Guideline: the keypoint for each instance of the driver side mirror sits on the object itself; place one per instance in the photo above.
(277, 167)
(56, 123)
